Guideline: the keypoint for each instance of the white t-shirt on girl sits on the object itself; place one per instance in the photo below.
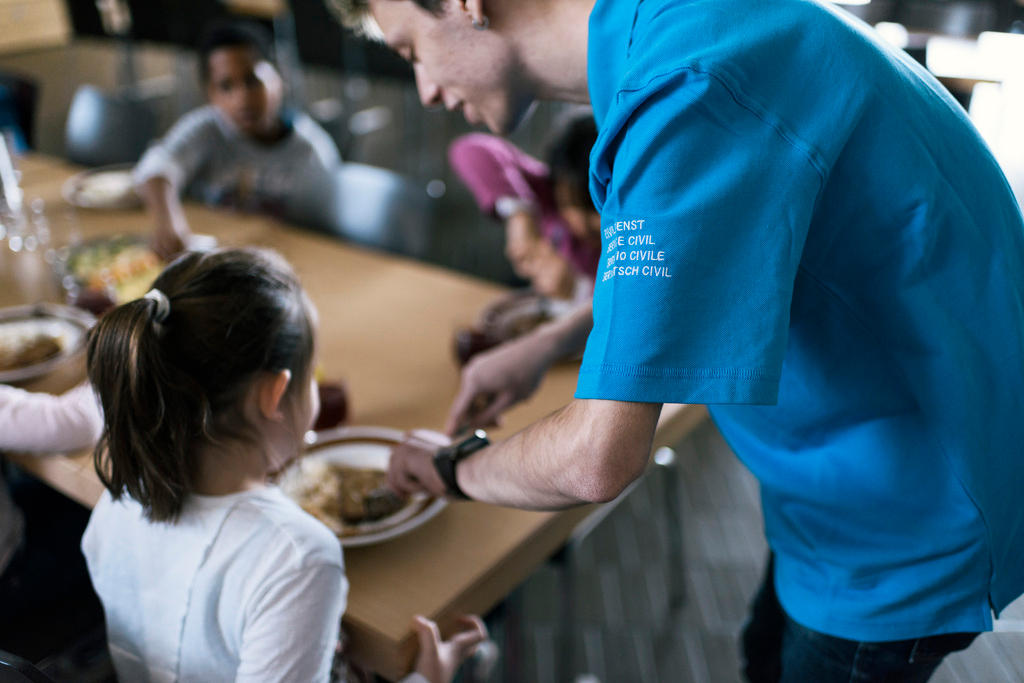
(243, 587)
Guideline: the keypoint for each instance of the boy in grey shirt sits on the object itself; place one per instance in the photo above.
(242, 150)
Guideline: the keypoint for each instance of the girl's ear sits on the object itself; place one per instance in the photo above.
(270, 389)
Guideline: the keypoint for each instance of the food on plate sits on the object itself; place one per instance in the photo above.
(125, 267)
(23, 344)
(343, 497)
(105, 188)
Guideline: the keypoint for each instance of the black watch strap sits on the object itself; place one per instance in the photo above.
(448, 457)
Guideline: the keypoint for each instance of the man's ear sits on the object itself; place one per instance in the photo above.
(475, 9)
(270, 389)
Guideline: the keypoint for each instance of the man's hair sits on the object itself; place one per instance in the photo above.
(232, 33)
(355, 14)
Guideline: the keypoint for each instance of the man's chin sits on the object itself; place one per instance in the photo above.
(513, 119)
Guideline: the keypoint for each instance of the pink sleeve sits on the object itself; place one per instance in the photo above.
(493, 168)
(45, 423)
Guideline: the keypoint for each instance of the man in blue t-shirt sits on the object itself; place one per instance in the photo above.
(802, 230)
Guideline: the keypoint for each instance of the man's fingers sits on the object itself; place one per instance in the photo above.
(489, 415)
(427, 439)
(400, 478)
(400, 483)
(461, 406)
(394, 473)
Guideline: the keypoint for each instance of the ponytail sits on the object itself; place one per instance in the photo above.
(172, 368)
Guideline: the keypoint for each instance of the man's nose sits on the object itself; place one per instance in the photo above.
(430, 92)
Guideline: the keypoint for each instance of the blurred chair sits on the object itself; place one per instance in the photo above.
(370, 206)
(872, 12)
(107, 129)
(23, 93)
(14, 669)
(957, 18)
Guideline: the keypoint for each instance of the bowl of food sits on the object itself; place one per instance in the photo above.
(108, 271)
(106, 187)
(34, 340)
(342, 481)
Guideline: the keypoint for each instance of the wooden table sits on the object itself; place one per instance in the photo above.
(33, 24)
(386, 327)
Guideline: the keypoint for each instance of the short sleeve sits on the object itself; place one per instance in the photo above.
(291, 628)
(705, 204)
(493, 168)
(39, 422)
(180, 154)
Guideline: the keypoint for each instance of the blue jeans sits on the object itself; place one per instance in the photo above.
(776, 649)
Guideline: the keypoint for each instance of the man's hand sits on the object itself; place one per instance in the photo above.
(495, 380)
(411, 469)
(438, 660)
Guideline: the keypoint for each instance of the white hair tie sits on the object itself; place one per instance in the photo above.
(163, 304)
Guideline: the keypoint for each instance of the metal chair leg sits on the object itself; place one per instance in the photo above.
(564, 560)
(667, 459)
(513, 641)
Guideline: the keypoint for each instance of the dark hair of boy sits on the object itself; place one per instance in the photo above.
(569, 156)
(168, 387)
(232, 33)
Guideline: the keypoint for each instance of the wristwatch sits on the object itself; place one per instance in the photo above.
(448, 457)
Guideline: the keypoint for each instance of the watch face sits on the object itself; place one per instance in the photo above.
(471, 444)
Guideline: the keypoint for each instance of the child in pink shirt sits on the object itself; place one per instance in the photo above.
(552, 230)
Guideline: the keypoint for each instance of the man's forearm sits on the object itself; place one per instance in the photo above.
(568, 334)
(588, 451)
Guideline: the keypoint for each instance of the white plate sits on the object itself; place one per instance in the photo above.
(106, 187)
(68, 324)
(368, 447)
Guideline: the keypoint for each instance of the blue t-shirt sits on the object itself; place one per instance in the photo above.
(801, 224)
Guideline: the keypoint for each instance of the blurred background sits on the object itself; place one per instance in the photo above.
(142, 52)
(133, 62)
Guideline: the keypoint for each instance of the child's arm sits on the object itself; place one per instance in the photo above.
(171, 234)
(168, 167)
(40, 422)
(291, 630)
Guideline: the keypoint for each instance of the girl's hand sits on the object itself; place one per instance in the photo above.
(438, 660)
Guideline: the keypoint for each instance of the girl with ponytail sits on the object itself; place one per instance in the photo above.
(206, 571)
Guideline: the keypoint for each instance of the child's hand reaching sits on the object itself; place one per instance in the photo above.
(438, 660)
